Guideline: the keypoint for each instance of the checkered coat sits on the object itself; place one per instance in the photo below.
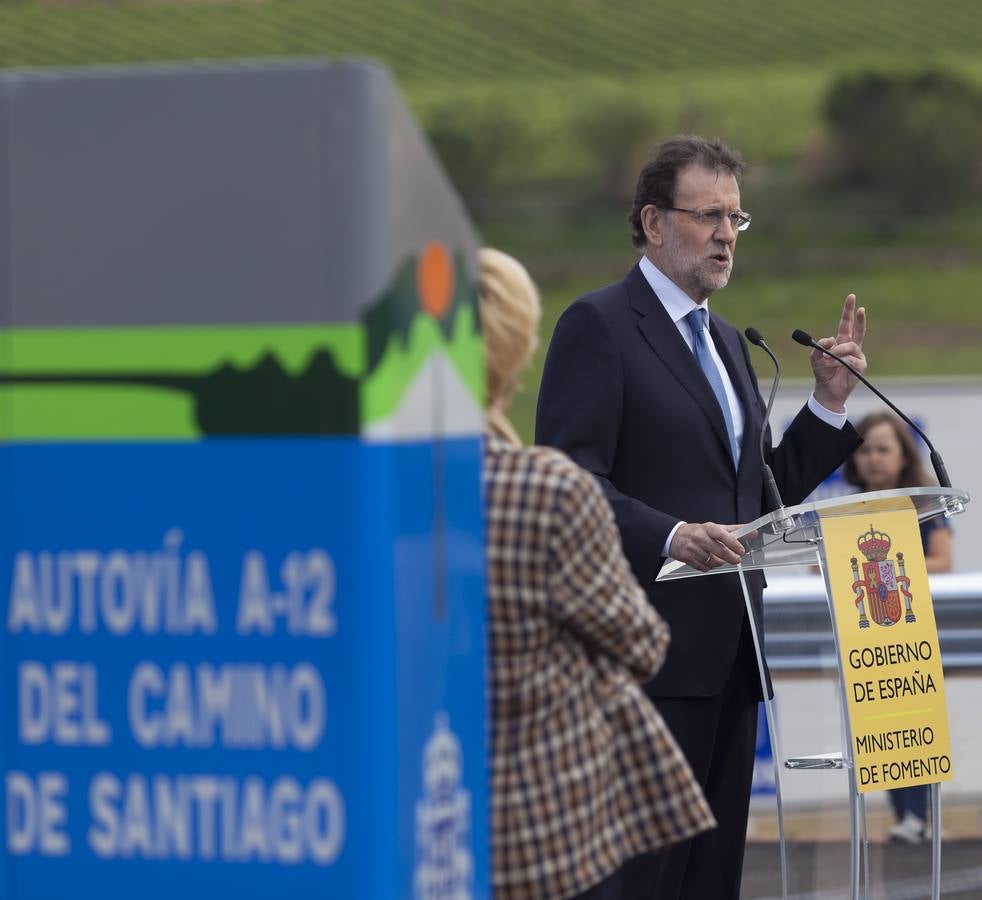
(585, 775)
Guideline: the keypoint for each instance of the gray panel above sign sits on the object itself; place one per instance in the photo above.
(239, 193)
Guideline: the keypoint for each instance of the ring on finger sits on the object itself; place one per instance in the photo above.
(709, 556)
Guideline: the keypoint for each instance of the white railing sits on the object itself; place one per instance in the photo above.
(798, 634)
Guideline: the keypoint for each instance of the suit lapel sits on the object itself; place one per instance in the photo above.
(727, 345)
(663, 337)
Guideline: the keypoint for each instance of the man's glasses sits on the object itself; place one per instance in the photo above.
(740, 220)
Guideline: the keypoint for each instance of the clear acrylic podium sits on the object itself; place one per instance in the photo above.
(822, 750)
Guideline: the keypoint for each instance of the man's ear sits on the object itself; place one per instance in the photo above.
(652, 222)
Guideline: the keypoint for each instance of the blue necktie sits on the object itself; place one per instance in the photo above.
(697, 324)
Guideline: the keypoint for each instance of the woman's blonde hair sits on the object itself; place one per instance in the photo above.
(510, 312)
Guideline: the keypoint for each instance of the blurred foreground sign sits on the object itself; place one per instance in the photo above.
(240, 529)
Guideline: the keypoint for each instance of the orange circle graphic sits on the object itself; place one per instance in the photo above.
(435, 279)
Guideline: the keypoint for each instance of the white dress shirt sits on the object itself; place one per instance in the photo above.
(678, 304)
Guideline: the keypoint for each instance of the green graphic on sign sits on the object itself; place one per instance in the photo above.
(184, 383)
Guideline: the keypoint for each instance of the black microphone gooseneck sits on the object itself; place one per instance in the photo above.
(770, 484)
(805, 339)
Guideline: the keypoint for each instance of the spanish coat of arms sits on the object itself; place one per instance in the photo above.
(880, 588)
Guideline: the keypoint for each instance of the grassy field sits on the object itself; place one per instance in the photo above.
(757, 76)
(762, 88)
(439, 41)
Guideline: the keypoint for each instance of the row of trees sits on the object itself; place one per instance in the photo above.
(911, 142)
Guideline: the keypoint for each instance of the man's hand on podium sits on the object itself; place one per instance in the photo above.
(706, 545)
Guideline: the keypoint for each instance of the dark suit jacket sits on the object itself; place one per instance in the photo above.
(624, 396)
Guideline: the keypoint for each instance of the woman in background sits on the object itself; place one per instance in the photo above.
(889, 459)
(584, 773)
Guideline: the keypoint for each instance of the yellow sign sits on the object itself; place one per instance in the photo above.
(889, 644)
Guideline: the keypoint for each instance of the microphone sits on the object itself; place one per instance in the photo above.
(805, 339)
(770, 484)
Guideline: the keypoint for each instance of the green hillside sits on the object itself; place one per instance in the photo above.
(472, 40)
(756, 73)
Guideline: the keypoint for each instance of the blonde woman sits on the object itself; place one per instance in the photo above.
(585, 775)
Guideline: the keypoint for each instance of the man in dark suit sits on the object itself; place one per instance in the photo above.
(658, 399)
